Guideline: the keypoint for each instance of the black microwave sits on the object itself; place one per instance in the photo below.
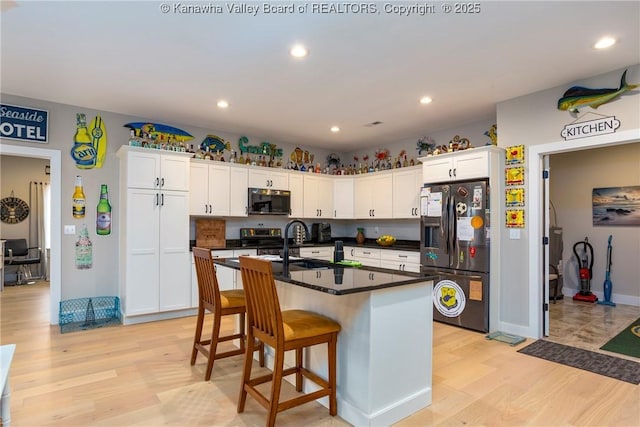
(264, 201)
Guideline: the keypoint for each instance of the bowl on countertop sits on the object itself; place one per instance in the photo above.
(386, 240)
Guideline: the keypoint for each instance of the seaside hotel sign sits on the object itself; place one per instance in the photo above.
(589, 128)
(24, 124)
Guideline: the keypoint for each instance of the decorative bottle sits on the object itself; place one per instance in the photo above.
(83, 151)
(84, 250)
(103, 217)
(79, 200)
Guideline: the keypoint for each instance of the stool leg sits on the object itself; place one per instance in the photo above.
(215, 333)
(246, 374)
(333, 347)
(198, 336)
(298, 369)
(276, 386)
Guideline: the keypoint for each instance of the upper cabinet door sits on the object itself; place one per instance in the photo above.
(296, 186)
(143, 169)
(238, 194)
(343, 200)
(268, 178)
(174, 171)
(406, 192)
(199, 189)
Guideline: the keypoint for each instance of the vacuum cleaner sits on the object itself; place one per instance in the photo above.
(608, 286)
(585, 263)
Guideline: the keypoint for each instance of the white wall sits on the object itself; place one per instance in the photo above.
(573, 177)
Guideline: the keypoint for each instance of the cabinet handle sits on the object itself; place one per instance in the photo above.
(454, 172)
(320, 212)
(351, 252)
(450, 170)
(373, 212)
(162, 199)
(366, 253)
(157, 199)
(157, 182)
(210, 208)
(370, 276)
(402, 256)
(162, 182)
(205, 208)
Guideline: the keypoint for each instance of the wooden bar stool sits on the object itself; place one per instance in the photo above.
(219, 303)
(284, 331)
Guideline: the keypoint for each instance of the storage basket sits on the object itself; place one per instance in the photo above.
(88, 313)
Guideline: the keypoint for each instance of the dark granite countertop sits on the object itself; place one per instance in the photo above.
(326, 277)
(400, 245)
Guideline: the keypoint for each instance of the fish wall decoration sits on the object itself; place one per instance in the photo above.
(156, 131)
(578, 97)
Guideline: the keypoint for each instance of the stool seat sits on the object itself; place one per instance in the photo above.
(232, 299)
(300, 324)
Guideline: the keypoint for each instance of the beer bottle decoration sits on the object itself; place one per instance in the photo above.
(79, 200)
(103, 217)
(84, 250)
(83, 151)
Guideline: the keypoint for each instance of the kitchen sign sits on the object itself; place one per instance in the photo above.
(23, 123)
(589, 128)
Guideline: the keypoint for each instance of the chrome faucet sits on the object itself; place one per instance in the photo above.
(285, 249)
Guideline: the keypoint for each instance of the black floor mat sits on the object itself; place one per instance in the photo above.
(602, 364)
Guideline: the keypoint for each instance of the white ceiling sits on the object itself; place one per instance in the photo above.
(172, 68)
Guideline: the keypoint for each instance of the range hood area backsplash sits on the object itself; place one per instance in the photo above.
(402, 229)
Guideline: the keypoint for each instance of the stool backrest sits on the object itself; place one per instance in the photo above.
(263, 307)
(208, 289)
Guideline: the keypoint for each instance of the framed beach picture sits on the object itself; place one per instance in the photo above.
(616, 205)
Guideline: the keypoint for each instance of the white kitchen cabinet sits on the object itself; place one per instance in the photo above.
(268, 178)
(238, 191)
(406, 192)
(318, 196)
(374, 196)
(460, 165)
(400, 260)
(343, 197)
(209, 188)
(153, 169)
(367, 256)
(154, 236)
(317, 252)
(296, 187)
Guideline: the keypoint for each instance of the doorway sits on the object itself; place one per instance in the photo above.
(538, 273)
(55, 163)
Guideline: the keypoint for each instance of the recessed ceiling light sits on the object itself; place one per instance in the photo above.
(223, 104)
(605, 42)
(298, 51)
(335, 129)
(425, 100)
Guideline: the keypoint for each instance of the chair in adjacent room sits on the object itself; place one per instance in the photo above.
(18, 253)
(283, 331)
(219, 303)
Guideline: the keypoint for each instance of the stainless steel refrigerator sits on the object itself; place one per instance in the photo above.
(455, 246)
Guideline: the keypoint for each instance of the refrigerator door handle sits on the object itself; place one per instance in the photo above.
(447, 243)
(454, 228)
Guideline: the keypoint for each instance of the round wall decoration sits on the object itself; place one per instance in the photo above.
(13, 210)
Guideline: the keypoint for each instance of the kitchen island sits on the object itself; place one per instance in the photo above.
(385, 345)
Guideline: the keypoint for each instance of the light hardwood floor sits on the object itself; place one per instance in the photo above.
(140, 375)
